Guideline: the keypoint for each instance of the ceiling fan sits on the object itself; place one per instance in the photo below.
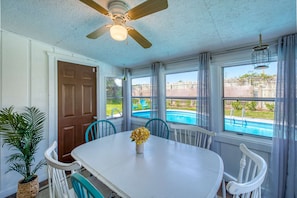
(119, 14)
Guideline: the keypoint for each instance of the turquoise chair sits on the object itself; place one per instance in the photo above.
(143, 104)
(134, 106)
(99, 129)
(84, 188)
(158, 127)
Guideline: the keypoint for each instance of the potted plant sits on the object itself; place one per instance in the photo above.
(22, 132)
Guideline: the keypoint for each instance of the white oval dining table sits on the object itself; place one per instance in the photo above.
(166, 169)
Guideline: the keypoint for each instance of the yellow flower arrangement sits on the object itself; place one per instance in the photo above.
(140, 135)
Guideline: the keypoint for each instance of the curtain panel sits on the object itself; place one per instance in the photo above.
(283, 173)
(127, 102)
(203, 91)
(158, 101)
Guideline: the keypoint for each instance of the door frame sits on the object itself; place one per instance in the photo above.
(53, 59)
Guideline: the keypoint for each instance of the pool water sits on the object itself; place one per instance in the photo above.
(241, 126)
(249, 127)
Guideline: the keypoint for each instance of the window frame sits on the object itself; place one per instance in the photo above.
(241, 99)
(180, 97)
(108, 98)
(140, 97)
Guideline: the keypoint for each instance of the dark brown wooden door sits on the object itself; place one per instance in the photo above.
(76, 105)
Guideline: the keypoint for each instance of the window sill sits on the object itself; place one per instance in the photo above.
(258, 143)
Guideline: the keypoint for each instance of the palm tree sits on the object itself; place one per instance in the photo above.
(22, 132)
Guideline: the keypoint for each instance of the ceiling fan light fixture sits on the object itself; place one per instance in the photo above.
(118, 32)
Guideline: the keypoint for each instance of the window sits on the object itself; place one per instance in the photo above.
(141, 97)
(114, 100)
(248, 99)
(181, 97)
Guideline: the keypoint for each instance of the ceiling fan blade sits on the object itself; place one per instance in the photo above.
(96, 6)
(139, 38)
(147, 8)
(99, 32)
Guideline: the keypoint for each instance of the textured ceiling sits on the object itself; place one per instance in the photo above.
(185, 28)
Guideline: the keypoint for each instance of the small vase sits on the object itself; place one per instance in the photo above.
(139, 148)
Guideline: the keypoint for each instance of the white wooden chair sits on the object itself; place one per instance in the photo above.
(57, 180)
(193, 135)
(251, 175)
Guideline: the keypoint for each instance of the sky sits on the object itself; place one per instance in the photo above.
(185, 77)
(230, 72)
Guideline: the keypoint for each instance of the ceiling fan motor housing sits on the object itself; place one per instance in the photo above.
(118, 8)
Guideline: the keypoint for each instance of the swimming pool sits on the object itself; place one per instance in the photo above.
(236, 125)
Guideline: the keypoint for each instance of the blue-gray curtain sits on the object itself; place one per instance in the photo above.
(127, 102)
(283, 174)
(158, 106)
(203, 91)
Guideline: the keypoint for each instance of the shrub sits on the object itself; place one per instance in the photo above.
(236, 105)
(269, 106)
(252, 106)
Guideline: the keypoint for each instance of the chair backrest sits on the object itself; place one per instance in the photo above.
(158, 127)
(84, 188)
(57, 180)
(98, 129)
(191, 134)
(251, 175)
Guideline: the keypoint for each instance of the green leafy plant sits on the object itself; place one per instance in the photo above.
(252, 105)
(236, 105)
(22, 132)
(269, 106)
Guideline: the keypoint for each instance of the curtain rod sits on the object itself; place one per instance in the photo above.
(219, 52)
(245, 47)
(215, 52)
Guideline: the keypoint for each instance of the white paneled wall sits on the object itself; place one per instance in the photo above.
(15, 70)
(14, 91)
(26, 81)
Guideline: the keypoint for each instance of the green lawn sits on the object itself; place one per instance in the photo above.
(109, 108)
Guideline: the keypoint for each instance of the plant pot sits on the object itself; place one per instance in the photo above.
(139, 148)
(29, 189)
